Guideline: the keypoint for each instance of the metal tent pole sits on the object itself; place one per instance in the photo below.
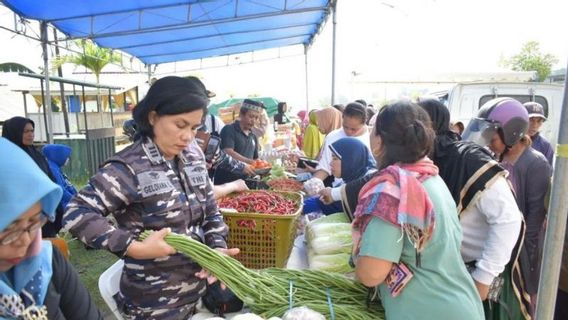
(110, 108)
(557, 213)
(44, 111)
(306, 68)
(333, 7)
(47, 97)
(25, 103)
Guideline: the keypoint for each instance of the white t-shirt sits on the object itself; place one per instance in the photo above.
(218, 124)
(490, 230)
(325, 154)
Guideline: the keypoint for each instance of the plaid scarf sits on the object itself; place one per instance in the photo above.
(396, 195)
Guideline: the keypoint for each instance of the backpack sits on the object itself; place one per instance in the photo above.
(213, 129)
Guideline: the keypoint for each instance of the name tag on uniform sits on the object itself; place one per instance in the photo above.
(154, 182)
(196, 175)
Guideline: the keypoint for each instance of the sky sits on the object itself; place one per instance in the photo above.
(376, 41)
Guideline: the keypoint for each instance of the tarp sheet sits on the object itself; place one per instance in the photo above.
(159, 31)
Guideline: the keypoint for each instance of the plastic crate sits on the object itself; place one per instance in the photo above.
(265, 240)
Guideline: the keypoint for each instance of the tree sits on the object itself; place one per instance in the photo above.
(93, 58)
(531, 59)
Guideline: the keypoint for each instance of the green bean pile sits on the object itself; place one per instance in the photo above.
(267, 292)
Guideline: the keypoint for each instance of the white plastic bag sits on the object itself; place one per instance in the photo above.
(313, 186)
(302, 313)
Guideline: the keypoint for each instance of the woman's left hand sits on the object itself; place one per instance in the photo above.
(204, 274)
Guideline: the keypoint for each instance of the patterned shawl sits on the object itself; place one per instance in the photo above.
(397, 196)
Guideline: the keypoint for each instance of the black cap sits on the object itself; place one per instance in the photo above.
(535, 109)
(252, 105)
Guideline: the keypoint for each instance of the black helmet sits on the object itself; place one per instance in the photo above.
(129, 128)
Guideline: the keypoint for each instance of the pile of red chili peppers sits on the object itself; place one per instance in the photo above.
(259, 202)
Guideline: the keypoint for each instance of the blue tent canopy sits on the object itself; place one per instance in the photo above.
(160, 31)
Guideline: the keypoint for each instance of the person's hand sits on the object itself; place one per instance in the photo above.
(325, 196)
(310, 169)
(239, 185)
(152, 247)
(203, 274)
(293, 157)
(249, 170)
(214, 161)
(482, 289)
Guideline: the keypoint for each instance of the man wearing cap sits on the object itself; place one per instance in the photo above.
(537, 118)
(238, 141)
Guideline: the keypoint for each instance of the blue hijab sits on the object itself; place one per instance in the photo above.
(22, 184)
(356, 160)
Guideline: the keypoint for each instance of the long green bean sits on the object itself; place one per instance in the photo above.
(266, 292)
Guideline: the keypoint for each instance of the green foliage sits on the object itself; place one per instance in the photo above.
(531, 59)
(93, 57)
(90, 264)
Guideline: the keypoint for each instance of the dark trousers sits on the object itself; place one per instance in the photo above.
(561, 310)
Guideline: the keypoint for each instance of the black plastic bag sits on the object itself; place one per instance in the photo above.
(219, 301)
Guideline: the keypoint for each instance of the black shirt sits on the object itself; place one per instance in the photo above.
(66, 296)
(244, 144)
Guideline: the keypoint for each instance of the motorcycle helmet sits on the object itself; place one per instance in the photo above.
(129, 128)
(505, 116)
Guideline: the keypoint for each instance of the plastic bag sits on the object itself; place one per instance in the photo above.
(302, 313)
(313, 186)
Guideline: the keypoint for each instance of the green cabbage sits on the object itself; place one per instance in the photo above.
(338, 262)
(339, 217)
(339, 242)
(314, 231)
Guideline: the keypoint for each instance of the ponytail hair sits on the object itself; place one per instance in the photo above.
(406, 133)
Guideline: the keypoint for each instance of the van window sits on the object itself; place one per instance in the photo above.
(520, 97)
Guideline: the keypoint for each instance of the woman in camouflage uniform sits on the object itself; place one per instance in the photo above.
(161, 184)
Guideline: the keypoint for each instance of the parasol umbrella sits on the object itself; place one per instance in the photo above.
(270, 103)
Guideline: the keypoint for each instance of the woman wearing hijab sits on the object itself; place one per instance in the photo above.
(57, 156)
(280, 117)
(328, 119)
(263, 130)
(489, 216)
(351, 160)
(20, 131)
(36, 282)
(313, 138)
(406, 233)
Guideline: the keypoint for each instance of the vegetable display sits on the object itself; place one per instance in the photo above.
(329, 243)
(260, 164)
(277, 171)
(271, 292)
(259, 202)
(285, 184)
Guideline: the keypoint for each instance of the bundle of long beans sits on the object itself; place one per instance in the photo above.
(271, 292)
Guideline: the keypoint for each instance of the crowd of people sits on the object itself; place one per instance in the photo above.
(442, 222)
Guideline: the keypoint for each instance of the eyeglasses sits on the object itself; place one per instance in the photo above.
(13, 235)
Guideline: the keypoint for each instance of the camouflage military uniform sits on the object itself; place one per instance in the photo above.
(144, 191)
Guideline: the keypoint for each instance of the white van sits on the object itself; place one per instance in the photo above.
(465, 99)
